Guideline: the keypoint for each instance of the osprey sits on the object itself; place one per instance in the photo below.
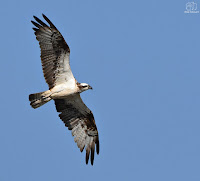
(64, 88)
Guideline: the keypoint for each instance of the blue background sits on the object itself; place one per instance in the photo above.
(142, 60)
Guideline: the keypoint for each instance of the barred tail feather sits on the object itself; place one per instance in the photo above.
(39, 99)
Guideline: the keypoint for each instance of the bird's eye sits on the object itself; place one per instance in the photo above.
(84, 86)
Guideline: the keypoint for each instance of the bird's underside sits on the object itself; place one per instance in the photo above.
(64, 89)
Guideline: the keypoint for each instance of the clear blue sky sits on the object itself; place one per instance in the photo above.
(142, 59)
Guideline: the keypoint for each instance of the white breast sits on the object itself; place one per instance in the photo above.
(63, 90)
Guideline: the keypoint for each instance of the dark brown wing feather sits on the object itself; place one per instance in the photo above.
(54, 53)
(78, 118)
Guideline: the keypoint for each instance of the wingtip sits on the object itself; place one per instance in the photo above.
(34, 17)
(50, 23)
(87, 155)
(86, 160)
(44, 16)
(35, 29)
(92, 160)
(92, 152)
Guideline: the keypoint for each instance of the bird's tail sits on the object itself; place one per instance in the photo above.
(39, 99)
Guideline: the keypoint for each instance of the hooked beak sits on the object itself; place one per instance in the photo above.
(90, 87)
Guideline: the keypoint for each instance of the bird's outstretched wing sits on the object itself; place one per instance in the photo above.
(54, 53)
(78, 118)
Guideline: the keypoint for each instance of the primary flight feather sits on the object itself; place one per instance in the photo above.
(64, 88)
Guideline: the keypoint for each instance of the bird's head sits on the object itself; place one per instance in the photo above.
(83, 87)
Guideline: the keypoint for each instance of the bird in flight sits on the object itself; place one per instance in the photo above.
(64, 88)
